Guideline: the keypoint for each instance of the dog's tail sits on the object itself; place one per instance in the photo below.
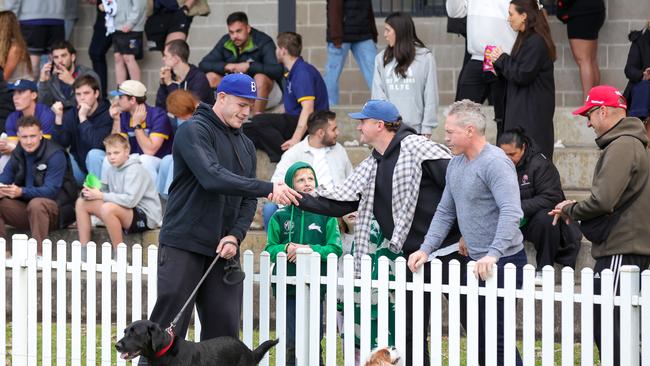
(261, 350)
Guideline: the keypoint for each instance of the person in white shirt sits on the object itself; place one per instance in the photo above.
(487, 25)
(320, 150)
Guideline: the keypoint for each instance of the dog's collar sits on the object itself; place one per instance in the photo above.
(167, 347)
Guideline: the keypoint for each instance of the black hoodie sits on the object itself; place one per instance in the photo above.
(83, 137)
(431, 187)
(214, 190)
(195, 82)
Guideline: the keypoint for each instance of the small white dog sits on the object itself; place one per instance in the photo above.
(384, 356)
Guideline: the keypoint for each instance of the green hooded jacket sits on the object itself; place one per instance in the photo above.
(290, 224)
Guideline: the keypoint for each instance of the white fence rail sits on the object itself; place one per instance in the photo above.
(633, 303)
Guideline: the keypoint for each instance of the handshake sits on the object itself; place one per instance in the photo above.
(284, 195)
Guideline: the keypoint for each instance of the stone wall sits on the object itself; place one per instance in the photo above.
(622, 16)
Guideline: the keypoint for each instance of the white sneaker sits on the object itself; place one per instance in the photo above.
(559, 145)
(96, 221)
(538, 278)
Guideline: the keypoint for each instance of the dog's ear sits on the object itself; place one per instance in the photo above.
(157, 336)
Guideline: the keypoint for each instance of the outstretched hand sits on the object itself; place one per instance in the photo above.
(558, 214)
(284, 195)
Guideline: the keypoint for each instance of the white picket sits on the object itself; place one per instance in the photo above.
(645, 317)
(61, 305)
(586, 317)
(46, 311)
(3, 302)
(106, 316)
(197, 325)
(315, 302)
(280, 308)
(491, 285)
(454, 313)
(136, 287)
(548, 316)
(529, 315)
(629, 321)
(382, 301)
(121, 296)
(366, 303)
(264, 301)
(152, 277)
(32, 309)
(248, 300)
(302, 307)
(567, 316)
(607, 317)
(400, 304)
(472, 315)
(510, 308)
(348, 310)
(91, 303)
(75, 305)
(330, 310)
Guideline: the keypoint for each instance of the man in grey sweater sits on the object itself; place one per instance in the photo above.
(483, 195)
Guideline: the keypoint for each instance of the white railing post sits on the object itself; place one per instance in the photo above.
(491, 287)
(509, 320)
(247, 303)
(75, 305)
(265, 301)
(548, 316)
(348, 310)
(629, 322)
(568, 290)
(587, 316)
(315, 304)
(32, 303)
(330, 310)
(366, 303)
(281, 308)
(454, 311)
(19, 300)
(302, 307)
(91, 303)
(528, 315)
(3, 302)
(472, 316)
(645, 318)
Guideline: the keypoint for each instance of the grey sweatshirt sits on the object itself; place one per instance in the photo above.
(416, 96)
(132, 13)
(36, 9)
(484, 195)
(130, 186)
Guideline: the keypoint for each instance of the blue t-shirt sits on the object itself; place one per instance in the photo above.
(156, 124)
(304, 83)
(42, 113)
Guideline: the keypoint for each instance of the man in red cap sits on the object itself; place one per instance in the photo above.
(613, 218)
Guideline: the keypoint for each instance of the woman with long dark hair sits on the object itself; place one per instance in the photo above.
(530, 91)
(405, 75)
(14, 59)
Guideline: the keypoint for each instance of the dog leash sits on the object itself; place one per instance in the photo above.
(172, 325)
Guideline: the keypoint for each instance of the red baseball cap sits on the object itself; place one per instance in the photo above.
(602, 95)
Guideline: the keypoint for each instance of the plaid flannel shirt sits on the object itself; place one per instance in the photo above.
(360, 186)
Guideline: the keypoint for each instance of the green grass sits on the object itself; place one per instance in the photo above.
(339, 356)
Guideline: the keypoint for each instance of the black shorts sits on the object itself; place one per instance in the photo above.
(128, 43)
(40, 38)
(585, 26)
(139, 222)
(160, 24)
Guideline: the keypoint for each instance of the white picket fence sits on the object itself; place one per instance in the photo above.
(634, 304)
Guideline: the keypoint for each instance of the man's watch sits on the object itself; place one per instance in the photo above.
(138, 126)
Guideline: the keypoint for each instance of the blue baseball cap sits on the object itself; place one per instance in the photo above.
(23, 84)
(382, 110)
(239, 85)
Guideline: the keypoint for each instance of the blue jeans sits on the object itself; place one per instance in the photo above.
(165, 175)
(268, 210)
(79, 175)
(519, 260)
(364, 53)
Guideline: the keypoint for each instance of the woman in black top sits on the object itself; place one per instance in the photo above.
(637, 70)
(530, 90)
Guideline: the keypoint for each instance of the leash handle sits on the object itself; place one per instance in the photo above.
(172, 325)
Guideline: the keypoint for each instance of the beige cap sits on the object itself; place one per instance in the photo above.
(133, 88)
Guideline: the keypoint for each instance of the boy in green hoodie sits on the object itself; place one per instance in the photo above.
(291, 228)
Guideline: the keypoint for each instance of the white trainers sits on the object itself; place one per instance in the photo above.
(538, 278)
(559, 145)
(96, 221)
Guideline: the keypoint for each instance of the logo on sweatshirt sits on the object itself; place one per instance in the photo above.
(313, 226)
(288, 225)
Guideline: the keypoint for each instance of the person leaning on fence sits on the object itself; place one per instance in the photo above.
(212, 201)
(613, 218)
(291, 228)
(127, 204)
(482, 194)
(400, 185)
(37, 188)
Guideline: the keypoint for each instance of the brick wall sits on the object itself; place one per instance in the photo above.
(622, 16)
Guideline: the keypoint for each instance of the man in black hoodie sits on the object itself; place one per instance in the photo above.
(250, 51)
(380, 127)
(212, 200)
(177, 73)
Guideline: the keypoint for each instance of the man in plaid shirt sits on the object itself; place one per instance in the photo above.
(400, 184)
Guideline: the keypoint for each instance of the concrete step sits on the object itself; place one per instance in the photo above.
(572, 130)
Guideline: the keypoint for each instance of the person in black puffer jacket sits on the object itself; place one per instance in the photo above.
(637, 71)
(540, 190)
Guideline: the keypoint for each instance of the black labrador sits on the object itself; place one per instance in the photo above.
(160, 347)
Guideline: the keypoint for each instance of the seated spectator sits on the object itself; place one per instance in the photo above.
(127, 26)
(637, 70)
(250, 51)
(37, 190)
(57, 77)
(25, 102)
(83, 128)
(540, 190)
(181, 104)
(320, 150)
(127, 202)
(304, 92)
(291, 228)
(177, 74)
(147, 128)
(14, 58)
(171, 20)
